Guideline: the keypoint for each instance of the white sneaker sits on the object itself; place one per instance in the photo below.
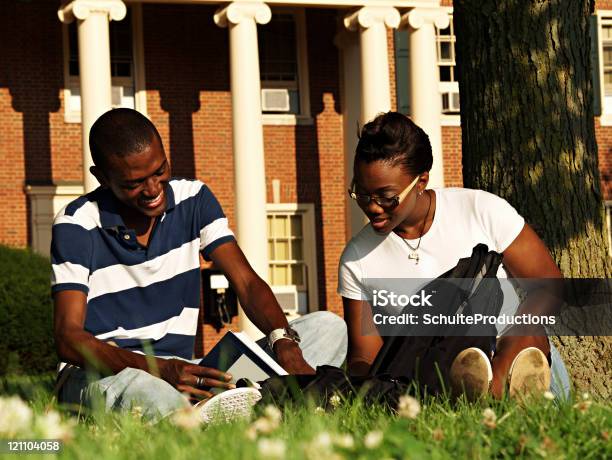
(529, 373)
(471, 374)
(229, 405)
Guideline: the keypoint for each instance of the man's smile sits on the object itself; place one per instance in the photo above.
(152, 203)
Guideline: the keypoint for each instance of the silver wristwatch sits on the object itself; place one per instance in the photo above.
(282, 333)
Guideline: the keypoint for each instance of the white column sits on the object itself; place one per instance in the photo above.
(93, 17)
(247, 133)
(372, 23)
(425, 98)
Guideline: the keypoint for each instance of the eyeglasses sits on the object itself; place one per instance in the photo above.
(384, 202)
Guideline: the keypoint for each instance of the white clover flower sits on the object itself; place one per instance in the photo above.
(408, 407)
(273, 414)
(335, 400)
(373, 439)
(319, 410)
(489, 418)
(583, 406)
(322, 441)
(345, 441)
(251, 433)
(187, 418)
(264, 425)
(51, 426)
(549, 395)
(271, 448)
(16, 416)
(585, 396)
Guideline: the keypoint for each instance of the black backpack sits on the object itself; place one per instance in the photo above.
(411, 361)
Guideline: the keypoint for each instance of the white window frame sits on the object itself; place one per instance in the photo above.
(603, 16)
(304, 117)
(140, 94)
(307, 211)
(447, 119)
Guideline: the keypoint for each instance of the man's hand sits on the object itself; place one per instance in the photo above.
(507, 349)
(184, 377)
(289, 356)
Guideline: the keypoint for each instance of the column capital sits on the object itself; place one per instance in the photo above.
(81, 9)
(236, 12)
(368, 16)
(418, 17)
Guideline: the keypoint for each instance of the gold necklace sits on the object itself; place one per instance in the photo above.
(414, 254)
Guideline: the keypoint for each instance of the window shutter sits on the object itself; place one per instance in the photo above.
(595, 70)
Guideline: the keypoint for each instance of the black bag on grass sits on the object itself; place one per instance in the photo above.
(426, 359)
(318, 389)
(409, 361)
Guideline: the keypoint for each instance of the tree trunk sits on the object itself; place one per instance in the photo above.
(528, 135)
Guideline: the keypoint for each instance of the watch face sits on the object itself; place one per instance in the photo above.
(292, 333)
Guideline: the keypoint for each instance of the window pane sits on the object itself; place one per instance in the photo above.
(271, 250)
(279, 275)
(120, 34)
(446, 31)
(607, 54)
(277, 49)
(606, 32)
(279, 226)
(296, 225)
(297, 276)
(446, 52)
(296, 249)
(269, 222)
(282, 250)
(445, 73)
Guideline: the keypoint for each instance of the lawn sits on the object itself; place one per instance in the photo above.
(437, 428)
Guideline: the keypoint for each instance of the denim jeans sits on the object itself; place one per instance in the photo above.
(560, 381)
(324, 340)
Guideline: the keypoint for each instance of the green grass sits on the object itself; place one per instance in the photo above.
(539, 429)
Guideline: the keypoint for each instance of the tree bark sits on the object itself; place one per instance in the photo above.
(528, 135)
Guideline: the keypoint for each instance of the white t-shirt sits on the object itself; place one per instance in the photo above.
(463, 218)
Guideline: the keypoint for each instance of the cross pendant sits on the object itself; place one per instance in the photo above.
(414, 256)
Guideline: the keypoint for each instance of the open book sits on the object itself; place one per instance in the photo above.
(237, 354)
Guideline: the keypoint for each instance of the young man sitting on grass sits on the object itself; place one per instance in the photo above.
(126, 280)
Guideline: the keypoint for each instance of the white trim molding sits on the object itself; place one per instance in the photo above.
(312, 3)
(81, 9)
(46, 201)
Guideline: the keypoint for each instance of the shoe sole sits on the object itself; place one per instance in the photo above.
(529, 373)
(229, 405)
(471, 374)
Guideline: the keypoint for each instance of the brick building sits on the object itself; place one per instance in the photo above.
(322, 66)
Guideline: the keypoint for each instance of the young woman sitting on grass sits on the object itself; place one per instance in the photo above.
(415, 232)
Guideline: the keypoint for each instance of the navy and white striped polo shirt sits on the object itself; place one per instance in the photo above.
(137, 294)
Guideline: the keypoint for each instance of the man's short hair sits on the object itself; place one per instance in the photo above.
(120, 132)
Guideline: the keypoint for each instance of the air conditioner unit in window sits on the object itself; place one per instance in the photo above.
(275, 100)
(287, 297)
(450, 101)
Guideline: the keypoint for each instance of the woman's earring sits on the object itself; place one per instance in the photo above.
(421, 192)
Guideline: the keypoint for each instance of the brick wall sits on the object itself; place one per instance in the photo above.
(36, 146)
(604, 147)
